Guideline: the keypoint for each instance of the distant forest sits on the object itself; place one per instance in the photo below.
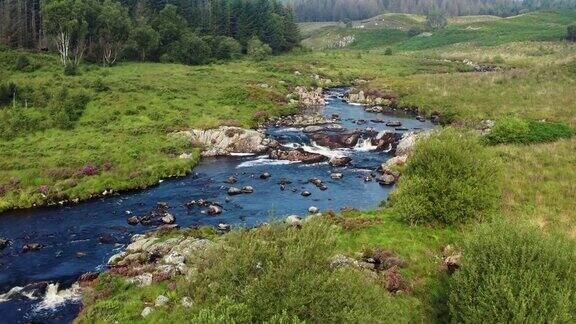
(188, 31)
(339, 10)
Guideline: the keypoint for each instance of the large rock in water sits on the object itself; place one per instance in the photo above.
(297, 155)
(335, 141)
(225, 140)
(384, 141)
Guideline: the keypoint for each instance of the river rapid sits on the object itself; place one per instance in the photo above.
(37, 286)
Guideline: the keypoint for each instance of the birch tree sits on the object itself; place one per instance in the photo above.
(64, 21)
(113, 30)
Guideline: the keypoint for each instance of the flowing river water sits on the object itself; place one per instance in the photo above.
(37, 286)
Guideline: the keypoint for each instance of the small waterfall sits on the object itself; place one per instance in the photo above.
(365, 144)
(54, 297)
(317, 149)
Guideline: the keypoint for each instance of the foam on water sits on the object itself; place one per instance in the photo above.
(55, 298)
(263, 160)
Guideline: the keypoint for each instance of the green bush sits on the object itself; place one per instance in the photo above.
(225, 48)
(190, 49)
(515, 274)
(257, 50)
(22, 62)
(7, 93)
(415, 31)
(450, 178)
(520, 131)
(388, 51)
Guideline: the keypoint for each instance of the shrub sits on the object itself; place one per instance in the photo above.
(515, 274)
(414, 31)
(225, 48)
(519, 131)
(258, 50)
(190, 49)
(22, 62)
(7, 93)
(449, 179)
(70, 69)
(388, 51)
(571, 33)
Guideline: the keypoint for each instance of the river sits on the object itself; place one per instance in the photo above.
(80, 238)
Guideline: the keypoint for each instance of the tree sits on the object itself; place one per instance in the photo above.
(436, 20)
(144, 39)
(572, 33)
(258, 50)
(224, 48)
(65, 21)
(113, 30)
(169, 24)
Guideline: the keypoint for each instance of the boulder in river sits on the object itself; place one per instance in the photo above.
(133, 220)
(232, 191)
(313, 210)
(265, 175)
(231, 180)
(335, 141)
(247, 189)
(340, 161)
(336, 175)
(294, 220)
(225, 140)
(3, 243)
(224, 227)
(31, 247)
(168, 219)
(214, 210)
(297, 155)
(394, 123)
(306, 193)
(386, 179)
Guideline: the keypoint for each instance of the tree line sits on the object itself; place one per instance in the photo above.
(187, 31)
(340, 10)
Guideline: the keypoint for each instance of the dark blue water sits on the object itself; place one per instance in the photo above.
(66, 231)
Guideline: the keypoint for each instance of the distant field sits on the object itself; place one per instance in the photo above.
(390, 30)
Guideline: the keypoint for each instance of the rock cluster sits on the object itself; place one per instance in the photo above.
(310, 98)
(226, 140)
(150, 258)
(303, 120)
(298, 154)
(361, 97)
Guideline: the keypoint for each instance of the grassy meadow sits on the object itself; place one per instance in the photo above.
(125, 129)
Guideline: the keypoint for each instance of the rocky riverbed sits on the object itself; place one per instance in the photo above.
(328, 158)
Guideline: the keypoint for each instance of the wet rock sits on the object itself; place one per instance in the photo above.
(168, 219)
(384, 141)
(340, 161)
(232, 191)
(247, 189)
(88, 277)
(310, 98)
(335, 141)
(315, 181)
(80, 254)
(407, 143)
(297, 155)
(224, 227)
(306, 193)
(386, 179)
(294, 220)
(394, 123)
(303, 120)
(336, 175)
(162, 205)
(202, 202)
(323, 187)
(107, 239)
(313, 210)
(231, 180)
(282, 187)
(31, 247)
(214, 210)
(265, 175)
(3, 243)
(420, 118)
(161, 300)
(146, 311)
(134, 220)
(187, 302)
(368, 178)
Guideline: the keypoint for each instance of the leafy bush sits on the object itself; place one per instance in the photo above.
(225, 48)
(190, 49)
(520, 131)
(388, 51)
(450, 178)
(414, 31)
(515, 274)
(7, 92)
(436, 20)
(571, 33)
(258, 50)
